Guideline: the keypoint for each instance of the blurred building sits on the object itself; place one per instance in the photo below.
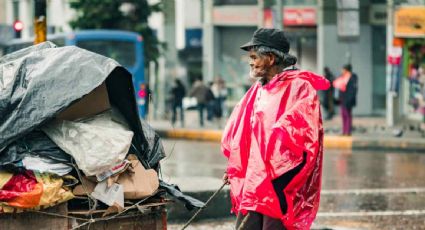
(189, 34)
(322, 33)
(6, 30)
(232, 23)
(58, 15)
(355, 32)
(204, 36)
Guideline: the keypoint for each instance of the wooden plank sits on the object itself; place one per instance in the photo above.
(36, 221)
(153, 220)
(95, 212)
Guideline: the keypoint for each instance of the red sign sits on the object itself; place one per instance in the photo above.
(248, 16)
(235, 15)
(299, 17)
(305, 16)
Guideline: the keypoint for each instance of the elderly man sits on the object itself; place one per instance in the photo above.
(274, 140)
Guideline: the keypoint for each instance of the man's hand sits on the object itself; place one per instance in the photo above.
(226, 178)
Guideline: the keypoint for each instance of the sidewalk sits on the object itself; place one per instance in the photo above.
(369, 133)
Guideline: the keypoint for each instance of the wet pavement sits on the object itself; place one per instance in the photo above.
(361, 189)
(192, 158)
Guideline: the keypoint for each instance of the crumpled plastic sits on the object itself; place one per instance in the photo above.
(18, 185)
(34, 144)
(174, 190)
(155, 152)
(268, 134)
(29, 190)
(96, 145)
(40, 164)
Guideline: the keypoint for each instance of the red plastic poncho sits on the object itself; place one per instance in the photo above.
(266, 136)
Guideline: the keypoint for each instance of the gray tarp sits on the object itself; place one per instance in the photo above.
(38, 82)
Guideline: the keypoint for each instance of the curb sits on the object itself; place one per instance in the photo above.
(192, 134)
(330, 141)
(391, 144)
(339, 142)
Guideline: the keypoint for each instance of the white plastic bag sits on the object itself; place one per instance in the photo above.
(96, 144)
(189, 102)
(45, 165)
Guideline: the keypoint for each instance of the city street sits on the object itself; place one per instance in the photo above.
(360, 190)
(90, 91)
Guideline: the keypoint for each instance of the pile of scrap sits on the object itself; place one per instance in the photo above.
(70, 132)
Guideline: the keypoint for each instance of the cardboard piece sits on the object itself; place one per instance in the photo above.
(91, 104)
(113, 209)
(89, 185)
(138, 182)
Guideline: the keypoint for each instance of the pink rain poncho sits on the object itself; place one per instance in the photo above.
(269, 132)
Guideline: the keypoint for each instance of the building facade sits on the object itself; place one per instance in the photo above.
(6, 30)
(322, 33)
(355, 32)
(58, 13)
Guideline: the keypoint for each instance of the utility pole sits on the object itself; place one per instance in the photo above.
(391, 96)
(208, 41)
(40, 27)
(260, 18)
(170, 69)
(278, 17)
(320, 42)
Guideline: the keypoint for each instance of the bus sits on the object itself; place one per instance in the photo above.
(123, 46)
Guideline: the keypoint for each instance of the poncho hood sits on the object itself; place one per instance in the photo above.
(317, 81)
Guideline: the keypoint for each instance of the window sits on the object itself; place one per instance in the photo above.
(124, 52)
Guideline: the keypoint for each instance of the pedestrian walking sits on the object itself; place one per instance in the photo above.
(210, 105)
(178, 92)
(203, 95)
(219, 91)
(274, 140)
(328, 95)
(347, 86)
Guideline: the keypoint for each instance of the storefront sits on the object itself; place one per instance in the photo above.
(408, 60)
(234, 26)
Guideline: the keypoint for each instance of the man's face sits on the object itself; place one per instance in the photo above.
(259, 65)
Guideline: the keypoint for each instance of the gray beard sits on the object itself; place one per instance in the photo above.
(254, 75)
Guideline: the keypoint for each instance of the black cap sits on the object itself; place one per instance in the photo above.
(272, 38)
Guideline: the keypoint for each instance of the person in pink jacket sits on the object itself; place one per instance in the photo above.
(273, 140)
